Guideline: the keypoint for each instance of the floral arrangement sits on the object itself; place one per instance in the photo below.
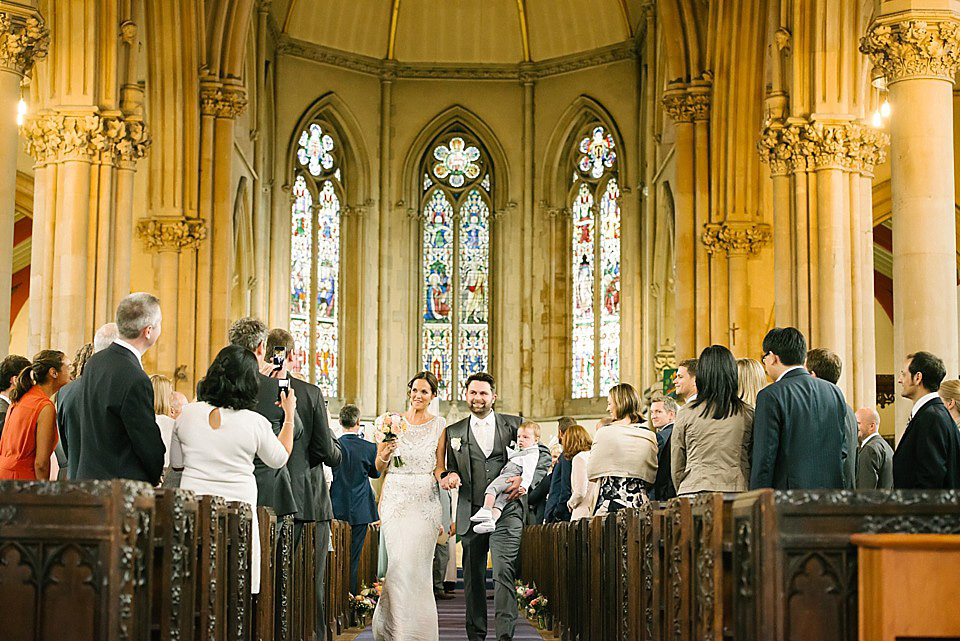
(388, 428)
(537, 608)
(532, 604)
(365, 602)
(524, 596)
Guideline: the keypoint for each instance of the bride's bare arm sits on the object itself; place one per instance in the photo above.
(441, 466)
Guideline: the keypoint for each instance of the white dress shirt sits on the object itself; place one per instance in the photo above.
(6, 398)
(789, 369)
(484, 430)
(923, 400)
(864, 442)
(136, 352)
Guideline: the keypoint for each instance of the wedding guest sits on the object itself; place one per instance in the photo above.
(30, 430)
(824, 363)
(559, 493)
(216, 439)
(663, 413)
(583, 492)
(685, 380)
(177, 401)
(623, 458)
(712, 435)
(874, 456)
(950, 395)
(750, 379)
(162, 390)
(10, 368)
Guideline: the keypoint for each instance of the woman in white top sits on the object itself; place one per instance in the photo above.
(216, 439)
(162, 391)
(583, 492)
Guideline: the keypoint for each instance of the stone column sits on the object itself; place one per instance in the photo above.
(677, 104)
(383, 326)
(919, 53)
(774, 152)
(23, 39)
(527, 257)
(709, 315)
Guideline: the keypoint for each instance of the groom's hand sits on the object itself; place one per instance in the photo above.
(452, 481)
(513, 490)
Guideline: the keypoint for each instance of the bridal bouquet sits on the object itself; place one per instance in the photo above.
(388, 428)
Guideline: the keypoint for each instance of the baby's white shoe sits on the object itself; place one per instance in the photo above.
(483, 514)
(485, 527)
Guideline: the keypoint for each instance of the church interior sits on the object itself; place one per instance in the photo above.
(565, 193)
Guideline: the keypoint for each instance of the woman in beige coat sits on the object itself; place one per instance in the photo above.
(623, 460)
(712, 436)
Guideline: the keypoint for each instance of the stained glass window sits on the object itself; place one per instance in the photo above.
(456, 264)
(315, 258)
(595, 266)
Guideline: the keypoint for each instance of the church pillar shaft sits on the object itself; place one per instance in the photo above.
(784, 277)
(526, 314)
(867, 332)
(123, 236)
(70, 256)
(832, 252)
(165, 269)
(204, 259)
(103, 257)
(918, 53)
(41, 259)
(222, 232)
(706, 296)
(383, 302)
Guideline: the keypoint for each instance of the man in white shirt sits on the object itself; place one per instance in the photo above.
(10, 368)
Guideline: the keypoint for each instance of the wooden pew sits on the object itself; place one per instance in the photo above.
(238, 595)
(76, 556)
(794, 566)
(677, 531)
(175, 575)
(711, 561)
(283, 587)
(264, 604)
(211, 559)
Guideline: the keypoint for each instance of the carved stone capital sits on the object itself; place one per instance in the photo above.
(665, 358)
(171, 233)
(810, 146)
(222, 102)
(23, 38)
(735, 237)
(927, 45)
(678, 105)
(699, 97)
(52, 137)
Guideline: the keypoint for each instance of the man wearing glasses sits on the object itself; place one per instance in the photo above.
(799, 435)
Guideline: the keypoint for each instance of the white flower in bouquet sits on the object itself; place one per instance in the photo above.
(388, 428)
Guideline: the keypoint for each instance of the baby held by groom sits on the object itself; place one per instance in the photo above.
(523, 463)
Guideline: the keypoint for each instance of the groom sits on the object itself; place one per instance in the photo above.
(476, 453)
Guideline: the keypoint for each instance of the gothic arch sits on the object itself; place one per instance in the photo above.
(456, 115)
(558, 162)
(682, 23)
(356, 163)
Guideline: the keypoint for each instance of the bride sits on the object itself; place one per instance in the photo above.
(411, 521)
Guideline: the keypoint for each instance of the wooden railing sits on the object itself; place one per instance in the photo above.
(120, 561)
(758, 565)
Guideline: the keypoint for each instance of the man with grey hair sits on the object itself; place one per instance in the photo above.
(274, 486)
(663, 411)
(113, 431)
(104, 336)
(874, 456)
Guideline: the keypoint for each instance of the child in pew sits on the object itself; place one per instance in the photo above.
(523, 463)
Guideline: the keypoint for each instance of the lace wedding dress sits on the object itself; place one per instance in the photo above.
(410, 521)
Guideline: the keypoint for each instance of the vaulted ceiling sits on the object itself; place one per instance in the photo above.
(459, 31)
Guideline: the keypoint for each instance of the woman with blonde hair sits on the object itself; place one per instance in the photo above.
(751, 378)
(162, 392)
(950, 395)
(576, 449)
(623, 460)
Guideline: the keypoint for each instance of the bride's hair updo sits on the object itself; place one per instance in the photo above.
(429, 377)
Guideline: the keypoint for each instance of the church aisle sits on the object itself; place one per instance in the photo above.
(451, 615)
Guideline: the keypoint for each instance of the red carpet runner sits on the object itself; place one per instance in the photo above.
(451, 615)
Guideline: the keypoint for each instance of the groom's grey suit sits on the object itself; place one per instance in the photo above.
(476, 471)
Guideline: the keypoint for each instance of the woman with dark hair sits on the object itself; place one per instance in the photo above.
(30, 429)
(623, 461)
(216, 439)
(412, 519)
(713, 435)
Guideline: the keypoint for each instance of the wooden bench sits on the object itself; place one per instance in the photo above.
(175, 565)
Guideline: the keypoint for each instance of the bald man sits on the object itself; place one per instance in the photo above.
(875, 456)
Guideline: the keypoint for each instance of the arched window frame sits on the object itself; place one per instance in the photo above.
(486, 185)
(602, 377)
(315, 185)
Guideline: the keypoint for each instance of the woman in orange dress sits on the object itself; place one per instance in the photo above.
(30, 431)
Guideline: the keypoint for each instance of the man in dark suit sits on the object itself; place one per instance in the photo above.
(113, 416)
(928, 455)
(314, 448)
(10, 368)
(559, 493)
(351, 493)
(825, 364)
(476, 450)
(799, 428)
(874, 456)
(663, 412)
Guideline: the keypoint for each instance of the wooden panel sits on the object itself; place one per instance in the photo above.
(239, 531)
(265, 603)
(211, 558)
(175, 565)
(76, 556)
(284, 580)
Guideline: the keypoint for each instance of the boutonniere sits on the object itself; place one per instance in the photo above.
(455, 443)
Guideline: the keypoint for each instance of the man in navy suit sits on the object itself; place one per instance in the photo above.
(350, 492)
(113, 413)
(928, 456)
(799, 428)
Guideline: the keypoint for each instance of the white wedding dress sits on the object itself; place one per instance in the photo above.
(410, 521)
